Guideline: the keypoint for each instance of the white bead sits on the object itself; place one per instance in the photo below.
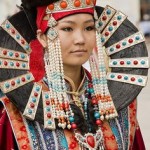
(69, 126)
(102, 117)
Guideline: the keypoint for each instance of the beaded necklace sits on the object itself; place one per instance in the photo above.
(89, 140)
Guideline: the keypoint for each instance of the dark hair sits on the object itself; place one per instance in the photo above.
(29, 4)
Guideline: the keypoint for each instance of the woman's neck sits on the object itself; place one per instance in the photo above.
(74, 73)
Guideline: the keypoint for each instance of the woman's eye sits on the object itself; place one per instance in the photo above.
(90, 28)
(68, 29)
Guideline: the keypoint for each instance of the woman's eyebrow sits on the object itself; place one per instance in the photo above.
(73, 22)
(88, 21)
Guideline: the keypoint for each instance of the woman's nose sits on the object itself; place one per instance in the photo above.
(79, 37)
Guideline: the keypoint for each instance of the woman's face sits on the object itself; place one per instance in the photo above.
(77, 37)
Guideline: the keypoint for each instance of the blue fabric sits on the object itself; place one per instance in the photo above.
(115, 129)
(63, 145)
(48, 137)
(124, 123)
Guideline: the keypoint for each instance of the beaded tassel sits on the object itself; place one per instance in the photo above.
(61, 109)
(105, 104)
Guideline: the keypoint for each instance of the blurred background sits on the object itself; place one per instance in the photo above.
(138, 11)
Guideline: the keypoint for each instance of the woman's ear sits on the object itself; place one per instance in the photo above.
(42, 38)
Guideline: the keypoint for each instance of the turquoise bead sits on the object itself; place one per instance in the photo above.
(10, 54)
(46, 96)
(37, 89)
(18, 81)
(110, 28)
(71, 119)
(119, 17)
(7, 85)
(7, 26)
(27, 47)
(115, 63)
(97, 115)
(140, 80)
(49, 122)
(112, 76)
(126, 78)
(28, 77)
(102, 40)
(108, 11)
(111, 49)
(23, 65)
(29, 111)
(18, 37)
(100, 23)
(128, 62)
(91, 90)
(48, 109)
(11, 63)
(137, 38)
(33, 99)
(124, 43)
(142, 62)
(22, 56)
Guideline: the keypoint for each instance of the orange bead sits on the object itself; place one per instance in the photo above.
(88, 2)
(51, 6)
(77, 3)
(63, 4)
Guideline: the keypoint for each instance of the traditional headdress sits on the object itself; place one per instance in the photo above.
(23, 65)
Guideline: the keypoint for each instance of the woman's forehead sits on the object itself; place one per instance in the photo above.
(82, 17)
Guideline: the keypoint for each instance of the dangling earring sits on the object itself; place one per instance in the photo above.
(60, 108)
(106, 106)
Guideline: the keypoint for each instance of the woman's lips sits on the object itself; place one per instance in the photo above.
(79, 52)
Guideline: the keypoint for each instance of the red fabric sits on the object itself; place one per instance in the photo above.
(6, 133)
(36, 60)
(138, 141)
(42, 24)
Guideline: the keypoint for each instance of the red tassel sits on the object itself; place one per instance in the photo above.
(37, 60)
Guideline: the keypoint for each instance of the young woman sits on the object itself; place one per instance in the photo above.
(48, 100)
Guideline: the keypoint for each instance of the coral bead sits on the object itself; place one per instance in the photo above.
(88, 2)
(98, 122)
(51, 7)
(73, 126)
(63, 4)
(77, 3)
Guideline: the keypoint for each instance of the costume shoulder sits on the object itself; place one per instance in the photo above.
(127, 53)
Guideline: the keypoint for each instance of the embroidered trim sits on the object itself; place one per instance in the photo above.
(49, 122)
(39, 136)
(33, 102)
(63, 145)
(12, 64)
(128, 78)
(105, 17)
(48, 138)
(14, 83)
(117, 133)
(32, 134)
(12, 54)
(142, 62)
(114, 24)
(28, 131)
(69, 5)
(125, 43)
(10, 29)
(124, 124)
(55, 139)
(17, 124)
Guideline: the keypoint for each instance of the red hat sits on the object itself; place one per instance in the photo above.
(61, 9)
